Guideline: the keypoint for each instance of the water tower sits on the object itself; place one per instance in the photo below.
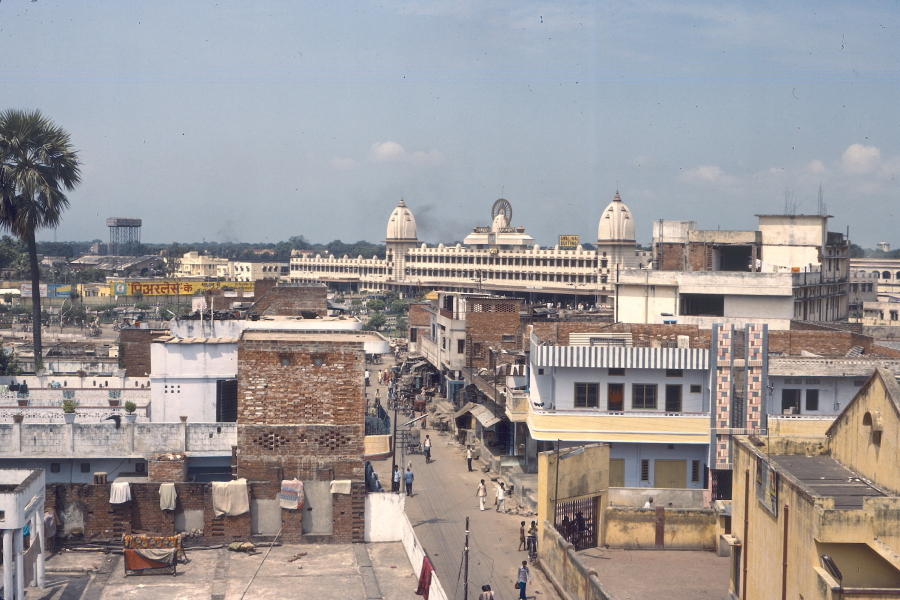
(124, 236)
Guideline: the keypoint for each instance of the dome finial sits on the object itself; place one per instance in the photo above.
(617, 198)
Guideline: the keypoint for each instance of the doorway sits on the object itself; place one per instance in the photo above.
(617, 472)
(790, 402)
(670, 474)
(673, 398)
(615, 398)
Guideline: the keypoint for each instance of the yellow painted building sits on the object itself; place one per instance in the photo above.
(798, 500)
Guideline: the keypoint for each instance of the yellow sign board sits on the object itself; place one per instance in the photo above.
(568, 241)
(167, 287)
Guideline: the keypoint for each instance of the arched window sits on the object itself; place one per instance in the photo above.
(886, 275)
(897, 275)
(876, 274)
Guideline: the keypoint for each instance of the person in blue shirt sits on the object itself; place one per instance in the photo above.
(408, 478)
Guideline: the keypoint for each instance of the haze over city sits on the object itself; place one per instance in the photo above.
(255, 122)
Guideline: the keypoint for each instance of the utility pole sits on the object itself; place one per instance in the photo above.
(466, 573)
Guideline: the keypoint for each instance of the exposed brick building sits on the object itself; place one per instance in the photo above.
(291, 300)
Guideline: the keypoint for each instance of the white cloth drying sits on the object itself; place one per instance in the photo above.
(340, 486)
(119, 492)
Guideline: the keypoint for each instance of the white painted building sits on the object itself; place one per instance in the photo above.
(499, 257)
(650, 404)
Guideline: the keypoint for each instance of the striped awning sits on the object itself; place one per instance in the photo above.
(617, 357)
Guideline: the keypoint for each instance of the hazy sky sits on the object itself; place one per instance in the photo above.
(257, 121)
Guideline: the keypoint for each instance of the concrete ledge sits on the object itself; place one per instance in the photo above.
(553, 580)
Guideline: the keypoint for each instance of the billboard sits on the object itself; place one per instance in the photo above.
(165, 287)
(568, 241)
(767, 485)
(48, 290)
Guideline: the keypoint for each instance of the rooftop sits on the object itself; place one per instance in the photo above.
(824, 477)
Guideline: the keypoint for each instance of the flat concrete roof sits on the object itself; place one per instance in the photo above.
(785, 366)
(825, 477)
(349, 336)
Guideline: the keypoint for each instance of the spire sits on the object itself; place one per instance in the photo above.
(617, 198)
(402, 203)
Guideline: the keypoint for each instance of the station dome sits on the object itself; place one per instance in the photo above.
(402, 224)
(616, 223)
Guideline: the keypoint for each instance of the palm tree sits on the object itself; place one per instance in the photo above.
(37, 164)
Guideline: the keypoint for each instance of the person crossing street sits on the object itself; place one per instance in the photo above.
(481, 493)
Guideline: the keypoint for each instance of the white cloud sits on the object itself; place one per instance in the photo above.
(387, 151)
(860, 160)
(394, 152)
(816, 167)
(707, 174)
(344, 164)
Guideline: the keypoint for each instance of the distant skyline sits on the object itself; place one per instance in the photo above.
(255, 122)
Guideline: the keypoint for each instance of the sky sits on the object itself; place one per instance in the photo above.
(258, 121)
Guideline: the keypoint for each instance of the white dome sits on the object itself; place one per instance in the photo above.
(402, 224)
(616, 223)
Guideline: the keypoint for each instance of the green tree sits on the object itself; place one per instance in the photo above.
(9, 365)
(375, 304)
(856, 251)
(377, 321)
(37, 165)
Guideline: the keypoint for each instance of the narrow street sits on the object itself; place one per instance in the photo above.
(443, 496)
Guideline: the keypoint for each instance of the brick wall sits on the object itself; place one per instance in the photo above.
(487, 322)
(105, 521)
(134, 350)
(697, 257)
(302, 406)
(825, 343)
(282, 381)
(289, 301)
(670, 257)
(172, 471)
(419, 314)
(642, 335)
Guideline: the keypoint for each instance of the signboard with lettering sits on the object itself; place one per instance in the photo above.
(767, 485)
(568, 241)
(48, 290)
(171, 287)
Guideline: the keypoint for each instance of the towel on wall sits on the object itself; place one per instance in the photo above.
(230, 498)
(167, 496)
(340, 486)
(291, 496)
(119, 492)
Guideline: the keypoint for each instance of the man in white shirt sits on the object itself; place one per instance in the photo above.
(427, 446)
(501, 497)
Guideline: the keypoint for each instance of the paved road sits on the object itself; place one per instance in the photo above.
(443, 496)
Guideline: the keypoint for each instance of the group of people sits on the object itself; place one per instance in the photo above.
(573, 530)
(499, 496)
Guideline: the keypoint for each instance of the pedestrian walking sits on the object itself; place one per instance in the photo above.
(501, 497)
(469, 457)
(522, 536)
(481, 493)
(367, 378)
(523, 578)
(395, 479)
(486, 593)
(427, 446)
(408, 478)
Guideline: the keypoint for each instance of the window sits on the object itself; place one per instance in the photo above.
(587, 395)
(645, 469)
(812, 400)
(285, 361)
(812, 382)
(540, 371)
(412, 334)
(616, 372)
(54, 467)
(695, 389)
(695, 471)
(508, 339)
(643, 395)
(674, 373)
(604, 263)
(460, 346)
(85, 467)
